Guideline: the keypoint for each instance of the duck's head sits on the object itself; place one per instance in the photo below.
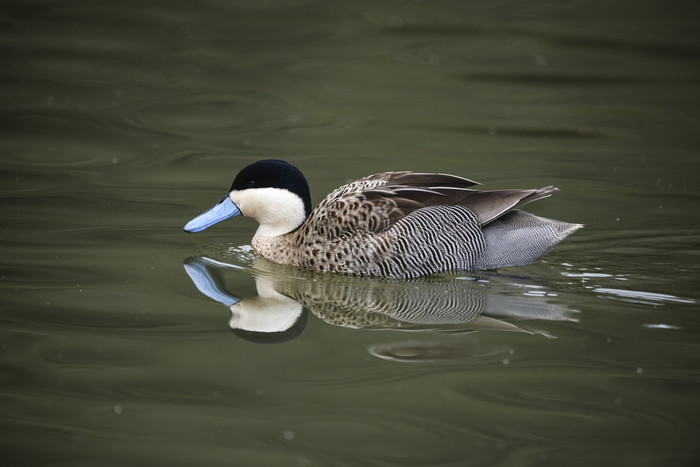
(273, 192)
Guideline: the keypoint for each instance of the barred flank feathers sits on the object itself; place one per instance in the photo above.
(433, 239)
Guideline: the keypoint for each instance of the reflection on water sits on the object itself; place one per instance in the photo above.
(442, 303)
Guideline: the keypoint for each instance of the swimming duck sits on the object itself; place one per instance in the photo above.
(393, 224)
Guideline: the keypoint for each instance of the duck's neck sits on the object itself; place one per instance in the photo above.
(282, 249)
(279, 212)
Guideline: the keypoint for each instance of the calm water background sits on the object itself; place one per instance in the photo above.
(122, 120)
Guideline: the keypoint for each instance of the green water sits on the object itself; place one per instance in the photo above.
(120, 121)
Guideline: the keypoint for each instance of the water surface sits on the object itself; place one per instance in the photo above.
(122, 121)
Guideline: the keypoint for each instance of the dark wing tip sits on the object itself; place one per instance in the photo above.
(540, 193)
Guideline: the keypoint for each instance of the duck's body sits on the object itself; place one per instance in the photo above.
(392, 224)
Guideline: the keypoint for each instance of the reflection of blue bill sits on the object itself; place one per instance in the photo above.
(208, 284)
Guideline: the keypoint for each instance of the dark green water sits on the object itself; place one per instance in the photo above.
(119, 121)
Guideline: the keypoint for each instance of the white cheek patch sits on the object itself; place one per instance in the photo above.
(278, 211)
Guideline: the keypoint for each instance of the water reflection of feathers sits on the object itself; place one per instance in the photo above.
(439, 304)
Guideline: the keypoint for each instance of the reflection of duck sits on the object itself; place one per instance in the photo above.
(392, 224)
(435, 304)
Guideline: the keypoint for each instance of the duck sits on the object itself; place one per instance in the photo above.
(398, 225)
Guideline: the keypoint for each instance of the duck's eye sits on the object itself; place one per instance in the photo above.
(250, 184)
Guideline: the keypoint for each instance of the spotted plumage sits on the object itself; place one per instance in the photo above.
(393, 224)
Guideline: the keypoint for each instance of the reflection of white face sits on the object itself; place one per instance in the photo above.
(278, 211)
(270, 311)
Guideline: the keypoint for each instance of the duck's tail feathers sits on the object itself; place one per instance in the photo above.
(518, 238)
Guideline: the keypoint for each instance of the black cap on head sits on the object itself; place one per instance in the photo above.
(274, 173)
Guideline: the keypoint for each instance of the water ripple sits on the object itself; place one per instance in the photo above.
(637, 296)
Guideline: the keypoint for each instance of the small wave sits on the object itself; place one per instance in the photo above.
(642, 297)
